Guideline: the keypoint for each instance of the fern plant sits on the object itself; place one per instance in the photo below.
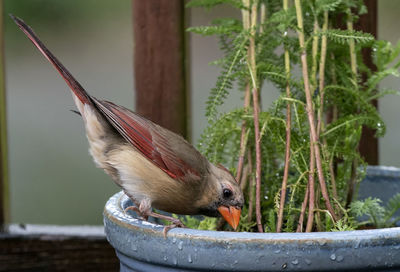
(377, 215)
(297, 161)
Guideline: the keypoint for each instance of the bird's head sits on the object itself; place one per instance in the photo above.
(228, 196)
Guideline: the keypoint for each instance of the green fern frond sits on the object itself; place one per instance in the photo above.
(225, 81)
(211, 30)
(377, 77)
(348, 121)
(371, 207)
(391, 208)
(382, 93)
(384, 53)
(208, 4)
(345, 36)
(328, 5)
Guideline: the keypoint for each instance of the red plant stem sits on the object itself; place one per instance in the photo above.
(303, 210)
(288, 136)
(287, 163)
(251, 199)
(310, 111)
(258, 159)
(244, 179)
(251, 185)
(243, 136)
(311, 185)
(256, 110)
(324, 45)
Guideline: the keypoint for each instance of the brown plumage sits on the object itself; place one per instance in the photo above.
(155, 167)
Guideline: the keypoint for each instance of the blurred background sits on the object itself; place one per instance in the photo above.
(52, 177)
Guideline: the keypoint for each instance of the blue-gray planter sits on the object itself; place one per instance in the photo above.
(141, 245)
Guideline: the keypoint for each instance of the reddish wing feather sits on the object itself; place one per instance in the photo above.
(141, 133)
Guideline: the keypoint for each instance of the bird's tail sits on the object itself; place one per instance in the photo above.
(76, 88)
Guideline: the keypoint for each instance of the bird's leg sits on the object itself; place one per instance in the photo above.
(144, 210)
(136, 208)
(176, 223)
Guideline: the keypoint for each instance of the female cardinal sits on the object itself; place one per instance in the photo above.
(155, 167)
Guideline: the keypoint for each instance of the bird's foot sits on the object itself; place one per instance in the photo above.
(137, 211)
(175, 222)
(143, 210)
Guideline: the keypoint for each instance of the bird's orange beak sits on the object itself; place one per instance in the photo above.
(231, 215)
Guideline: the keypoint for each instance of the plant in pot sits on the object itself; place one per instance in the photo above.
(298, 161)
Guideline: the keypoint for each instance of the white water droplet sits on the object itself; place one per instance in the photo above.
(180, 245)
(333, 257)
(339, 258)
(295, 262)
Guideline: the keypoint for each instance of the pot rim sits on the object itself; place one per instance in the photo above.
(141, 244)
(114, 212)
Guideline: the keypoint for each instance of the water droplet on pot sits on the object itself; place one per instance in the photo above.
(180, 245)
(307, 261)
(174, 261)
(277, 251)
(190, 258)
(321, 242)
(134, 248)
(174, 240)
(333, 257)
(165, 258)
(295, 262)
(284, 265)
(339, 258)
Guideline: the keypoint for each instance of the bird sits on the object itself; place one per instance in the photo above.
(155, 167)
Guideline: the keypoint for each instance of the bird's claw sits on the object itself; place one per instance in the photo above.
(175, 224)
(137, 211)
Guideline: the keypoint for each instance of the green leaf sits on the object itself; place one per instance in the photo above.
(392, 207)
(345, 36)
(211, 30)
(328, 5)
(208, 4)
(370, 207)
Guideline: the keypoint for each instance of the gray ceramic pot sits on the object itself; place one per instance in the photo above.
(141, 245)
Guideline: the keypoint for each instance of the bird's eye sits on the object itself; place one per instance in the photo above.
(227, 193)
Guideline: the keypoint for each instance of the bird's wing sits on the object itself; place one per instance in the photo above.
(164, 148)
